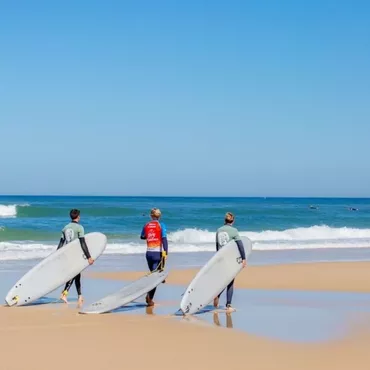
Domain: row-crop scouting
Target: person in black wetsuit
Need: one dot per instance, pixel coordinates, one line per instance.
(224, 235)
(71, 232)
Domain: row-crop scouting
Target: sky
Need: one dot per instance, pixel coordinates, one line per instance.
(228, 98)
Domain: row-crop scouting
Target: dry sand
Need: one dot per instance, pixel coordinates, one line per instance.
(331, 276)
(57, 337)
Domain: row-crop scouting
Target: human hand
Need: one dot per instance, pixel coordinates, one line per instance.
(244, 263)
(91, 261)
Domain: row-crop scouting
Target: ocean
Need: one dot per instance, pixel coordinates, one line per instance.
(30, 226)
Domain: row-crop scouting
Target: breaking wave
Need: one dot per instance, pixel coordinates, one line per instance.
(196, 240)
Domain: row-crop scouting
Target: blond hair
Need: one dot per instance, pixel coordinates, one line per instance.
(155, 213)
(229, 218)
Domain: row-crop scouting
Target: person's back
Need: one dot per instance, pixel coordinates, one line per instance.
(72, 231)
(155, 234)
(225, 234)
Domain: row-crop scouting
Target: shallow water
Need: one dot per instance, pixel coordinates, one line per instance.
(296, 316)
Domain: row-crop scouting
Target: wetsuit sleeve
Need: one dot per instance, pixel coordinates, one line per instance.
(143, 235)
(165, 245)
(81, 237)
(61, 242)
(217, 243)
(164, 237)
(240, 245)
(84, 247)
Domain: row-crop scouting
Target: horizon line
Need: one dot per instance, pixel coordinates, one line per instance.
(187, 196)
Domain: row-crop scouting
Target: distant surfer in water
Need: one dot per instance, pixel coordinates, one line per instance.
(71, 232)
(155, 234)
(224, 235)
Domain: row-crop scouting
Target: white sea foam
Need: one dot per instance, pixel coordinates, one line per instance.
(10, 210)
(195, 240)
(298, 234)
(24, 251)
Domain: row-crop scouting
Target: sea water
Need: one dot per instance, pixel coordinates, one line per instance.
(283, 230)
(317, 229)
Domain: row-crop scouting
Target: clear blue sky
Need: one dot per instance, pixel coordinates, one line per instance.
(250, 98)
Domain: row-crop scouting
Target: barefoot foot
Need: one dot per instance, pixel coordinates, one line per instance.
(63, 298)
(215, 302)
(230, 309)
(80, 301)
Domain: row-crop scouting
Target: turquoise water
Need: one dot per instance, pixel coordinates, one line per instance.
(30, 226)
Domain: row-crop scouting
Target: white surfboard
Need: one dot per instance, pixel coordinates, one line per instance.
(214, 276)
(55, 270)
(127, 294)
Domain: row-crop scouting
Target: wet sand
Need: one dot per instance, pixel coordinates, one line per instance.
(46, 337)
(55, 336)
(323, 276)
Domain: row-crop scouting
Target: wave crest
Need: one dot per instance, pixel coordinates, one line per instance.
(10, 211)
(196, 240)
(298, 234)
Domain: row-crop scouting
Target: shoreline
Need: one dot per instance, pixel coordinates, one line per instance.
(321, 276)
(136, 261)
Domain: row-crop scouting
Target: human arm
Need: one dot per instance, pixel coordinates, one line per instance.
(61, 242)
(165, 245)
(143, 235)
(85, 249)
(240, 245)
(164, 239)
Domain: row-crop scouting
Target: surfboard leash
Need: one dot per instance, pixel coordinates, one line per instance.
(160, 266)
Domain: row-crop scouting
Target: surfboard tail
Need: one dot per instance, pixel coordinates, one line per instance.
(179, 312)
(12, 301)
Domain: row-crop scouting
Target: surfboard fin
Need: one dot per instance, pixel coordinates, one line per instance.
(179, 312)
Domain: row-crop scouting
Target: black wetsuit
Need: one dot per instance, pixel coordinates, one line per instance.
(232, 234)
(62, 242)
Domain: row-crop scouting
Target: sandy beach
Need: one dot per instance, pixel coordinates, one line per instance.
(56, 336)
(324, 276)
(47, 338)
